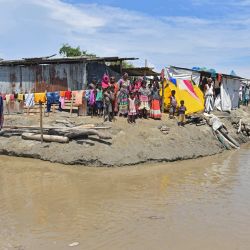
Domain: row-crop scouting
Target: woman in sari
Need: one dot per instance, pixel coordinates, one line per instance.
(123, 100)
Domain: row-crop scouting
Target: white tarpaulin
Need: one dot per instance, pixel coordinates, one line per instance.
(196, 76)
(183, 74)
(230, 94)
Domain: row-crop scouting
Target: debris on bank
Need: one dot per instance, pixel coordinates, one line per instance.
(61, 134)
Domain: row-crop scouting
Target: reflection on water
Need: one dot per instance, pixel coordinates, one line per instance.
(199, 204)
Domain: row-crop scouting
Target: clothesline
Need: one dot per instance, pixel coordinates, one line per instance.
(56, 97)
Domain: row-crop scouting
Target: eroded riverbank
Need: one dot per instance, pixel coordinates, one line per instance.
(130, 144)
(195, 204)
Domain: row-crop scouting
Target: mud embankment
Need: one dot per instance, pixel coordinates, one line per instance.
(130, 144)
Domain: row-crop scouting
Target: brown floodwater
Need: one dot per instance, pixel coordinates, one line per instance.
(198, 204)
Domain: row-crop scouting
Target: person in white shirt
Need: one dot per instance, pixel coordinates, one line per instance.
(209, 96)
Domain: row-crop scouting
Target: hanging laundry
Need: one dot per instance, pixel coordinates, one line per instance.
(7, 98)
(20, 97)
(68, 95)
(1, 112)
(52, 97)
(40, 97)
(62, 102)
(78, 97)
(29, 100)
(62, 93)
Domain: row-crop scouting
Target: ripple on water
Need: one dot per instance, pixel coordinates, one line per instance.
(199, 204)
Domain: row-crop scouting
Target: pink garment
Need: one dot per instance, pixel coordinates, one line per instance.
(62, 101)
(12, 97)
(105, 81)
(143, 98)
(78, 97)
(92, 97)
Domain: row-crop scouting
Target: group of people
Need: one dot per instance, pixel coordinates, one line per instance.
(211, 89)
(131, 99)
(244, 94)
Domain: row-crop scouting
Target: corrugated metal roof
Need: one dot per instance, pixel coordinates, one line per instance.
(46, 60)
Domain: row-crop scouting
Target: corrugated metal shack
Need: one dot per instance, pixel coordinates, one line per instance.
(54, 74)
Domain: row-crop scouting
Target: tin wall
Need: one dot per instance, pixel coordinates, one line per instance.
(38, 78)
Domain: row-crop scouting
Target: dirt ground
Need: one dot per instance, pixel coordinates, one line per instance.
(130, 144)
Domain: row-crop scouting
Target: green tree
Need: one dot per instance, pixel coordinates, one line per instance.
(127, 65)
(69, 51)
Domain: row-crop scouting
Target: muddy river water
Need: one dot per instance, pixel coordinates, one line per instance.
(198, 204)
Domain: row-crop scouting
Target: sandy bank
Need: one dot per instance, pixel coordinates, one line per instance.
(131, 144)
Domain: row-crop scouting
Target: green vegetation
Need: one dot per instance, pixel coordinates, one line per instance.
(127, 65)
(69, 51)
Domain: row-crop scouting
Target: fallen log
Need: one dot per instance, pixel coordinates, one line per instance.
(79, 133)
(16, 132)
(74, 134)
(46, 138)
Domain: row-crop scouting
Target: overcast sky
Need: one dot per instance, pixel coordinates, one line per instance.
(187, 33)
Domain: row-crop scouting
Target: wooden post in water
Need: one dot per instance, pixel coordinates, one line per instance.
(41, 120)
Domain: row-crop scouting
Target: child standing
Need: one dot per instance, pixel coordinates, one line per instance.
(131, 108)
(99, 100)
(173, 104)
(181, 113)
(108, 97)
(144, 93)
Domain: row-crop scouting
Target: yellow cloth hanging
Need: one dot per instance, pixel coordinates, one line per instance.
(7, 98)
(40, 97)
(20, 97)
